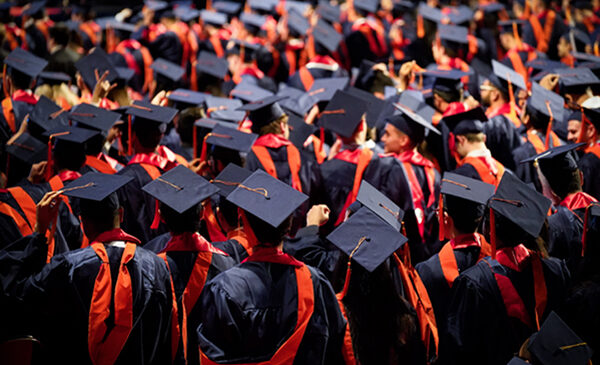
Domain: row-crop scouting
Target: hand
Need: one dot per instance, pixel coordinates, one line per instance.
(318, 215)
(37, 174)
(47, 211)
(22, 129)
(549, 81)
(198, 166)
(471, 103)
(159, 98)
(114, 132)
(406, 73)
(335, 148)
(102, 88)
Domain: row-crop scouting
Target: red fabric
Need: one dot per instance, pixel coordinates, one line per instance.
(68, 175)
(273, 255)
(163, 158)
(515, 258)
(349, 155)
(454, 108)
(212, 226)
(578, 200)
(326, 60)
(116, 234)
(504, 109)
(190, 242)
(272, 141)
(25, 96)
(466, 240)
(252, 71)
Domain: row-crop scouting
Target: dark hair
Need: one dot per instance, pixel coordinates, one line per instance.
(148, 133)
(565, 183)
(68, 155)
(185, 126)
(448, 96)
(265, 233)
(102, 214)
(465, 214)
(20, 81)
(536, 119)
(60, 35)
(511, 234)
(188, 221)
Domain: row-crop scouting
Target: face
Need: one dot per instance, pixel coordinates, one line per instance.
(392, 139)
(506, 40)
(486, 93)
(563, 47)
(521, 98)
(573, 130)
(461, 149)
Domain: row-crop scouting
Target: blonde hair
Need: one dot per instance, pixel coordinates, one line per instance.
(274, 126)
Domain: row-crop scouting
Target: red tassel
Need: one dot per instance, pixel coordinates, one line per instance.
(549, 129)
(442, 234)
(493, 233)
(156, 220)
(49, 165)
(129, 137)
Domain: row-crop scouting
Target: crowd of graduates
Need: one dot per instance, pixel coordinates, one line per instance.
(289, 182)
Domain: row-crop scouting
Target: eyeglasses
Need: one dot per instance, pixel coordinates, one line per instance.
(486, 88)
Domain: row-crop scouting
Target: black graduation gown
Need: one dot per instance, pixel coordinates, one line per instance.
(251, 310)
(181, 264)
(501, 139)
(233, 248)
(589, 164)
(565, 229)
(525, 171)
(158, 243)
(139, 207)
(479, 329)
(558, 30)
(57, 299)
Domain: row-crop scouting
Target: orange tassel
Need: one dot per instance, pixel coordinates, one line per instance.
(420, 27)
(549, 128)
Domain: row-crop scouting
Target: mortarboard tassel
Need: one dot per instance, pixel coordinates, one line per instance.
(129, 136)
(549, 128)
(441, 232)
(420, 26)
(5, 82)
(515, 30)
(512, 103)
(195, 141)
(50, 164)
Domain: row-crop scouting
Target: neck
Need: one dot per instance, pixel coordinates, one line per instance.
(474, 146)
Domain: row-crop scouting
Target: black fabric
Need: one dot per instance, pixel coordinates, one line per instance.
(589, 165)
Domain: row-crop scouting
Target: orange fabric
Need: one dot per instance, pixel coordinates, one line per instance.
(212, 226)
(448, 259)
(417, 295)
(294, 163)
(538, 144)
(99, 165)
(306, 78)
(87, 28)
(363, 161)
(291, 59)
(542, 36)
(193, 289)
(105, 348)
(594, 150)
(26, 204)
(239, 235)
(9, 116)
(153, 171)
(485, 172)
(517, 64)
(265, 159)
(21, 223)
(287, 352)
(347, 349)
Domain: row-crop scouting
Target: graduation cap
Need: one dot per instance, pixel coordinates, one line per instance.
(542, 64)
(249, 92)
(212, 65)
(506, 26)
(467, 122)
(458, 15)
(466, 188)
(27, 149)
(53, 78)
(517, 361)
(156, 5)
(343, 113)
(432, 14)
(297, 101)
(74, 135)
(556, 343)
(410, 123)
(367, 239)
(229, 178)
(492, 7)
(97, 191)
(446, 80)
(263, 111)
(542, 99)
(150, 112)
(93, 117)
(34, 8)
(585, 57)
(267, 198)
(25, 62)
(576, 80)
(520, 204)
(297, 22)
(415, 103)
(299, 130)
(381, 205)
(186, 97)
(267, 6)
(227, 7)
(329, 12)
(327, 36)
(169, 70)
(224, 109)
(556, 162)
(592, 115)
(453, 33)
(125, 28)
(96, 61)
(236, 46)
(187, 14)
(45, 116)
(299, 7)
(204, 126)
(180, 189)
(375, 104)
(253, 21)
(323, 89)
(369, 6)
(577, 36)
(230, 138)
(213, 17)
(505, 75)
(124, 74)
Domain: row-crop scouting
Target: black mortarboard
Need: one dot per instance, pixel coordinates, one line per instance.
(53, 78)
(95, 186)
(124, 74)
(415, 123)
(70, 134)
(180, 189)
(542, 64)
(458, 15)
(327, 36)
(466, 188)
(329, 12)
(299, 7)
(343, 114)
(506, 74)
(211, 123)
(28, 149)
(227, 7)
(369, 6)
(506, 26)
(492, 7)
(212, 17)
(187, 97)
(537, 103)
(125, 28)
(324, 89)
(25, 62)
(169, 70)
(576, 80)
(297, 22)
(45, 115)
(94, 117)
(593, 115)
(253, 21)
(264, 111)
(375, 104)
(586, 57)
(97, 60)
(210, 64)
(156, 5)
(463, 123)
(368, 238)
(34, 7)
(556, 343)
(187, 14)
(556, 162)
(299, 130)
(520, 204)
(235, 46)
(380, 204)
(297, 101)
(433, 14)
(249, 92)
(267, 198)
(231, 138)
(267, 6)
(146, 111)
(578, 36)
(414, 101)
(446, 80)
(453, 33)
(229, 178)
(517, 361)
(224, 109)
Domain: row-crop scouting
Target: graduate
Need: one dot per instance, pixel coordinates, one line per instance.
(275, 309)
(503, 299)
(590, 161)
(190, 258)
(461, 212)
(543, 28)
(67, 303)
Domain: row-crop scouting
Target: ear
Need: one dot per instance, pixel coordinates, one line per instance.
(121, 213)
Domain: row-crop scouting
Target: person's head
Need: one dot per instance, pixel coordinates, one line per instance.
(360, 133)
(491, 95)
(278, 127)
(265, 233)
(59, 36)
(574, 126)
(560, 171)
(442, 98)
(468, 129)
(146, 135)
(564, 46)
(178, 223)
(461, 216)
(537, 6)
(468, 142)
(401, 134)
(18, 80)
(185, 126)
(100, 216)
